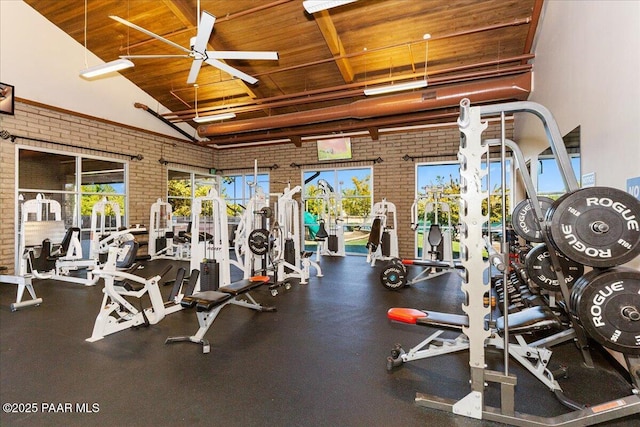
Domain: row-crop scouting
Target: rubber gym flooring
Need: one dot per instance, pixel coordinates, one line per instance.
(320, 360)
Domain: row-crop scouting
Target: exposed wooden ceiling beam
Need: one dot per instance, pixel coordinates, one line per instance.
(330, 34)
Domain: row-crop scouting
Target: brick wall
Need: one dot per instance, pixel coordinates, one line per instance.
(393, 179)
(147, 178)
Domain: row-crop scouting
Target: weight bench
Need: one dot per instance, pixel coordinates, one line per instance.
(208, 305)
(532, 356)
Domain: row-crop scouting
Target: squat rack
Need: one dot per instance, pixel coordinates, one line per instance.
(475, 285)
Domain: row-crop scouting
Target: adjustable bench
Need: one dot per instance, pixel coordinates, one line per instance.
(533, 356)
(209, 303)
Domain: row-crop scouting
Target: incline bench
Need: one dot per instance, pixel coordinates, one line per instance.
(209, 303)
(532, 356)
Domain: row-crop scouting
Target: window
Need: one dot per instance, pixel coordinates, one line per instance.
(439, 183)
(349, 207)
(550, 182)
(182, 187)
(238, 189)
(76, 182)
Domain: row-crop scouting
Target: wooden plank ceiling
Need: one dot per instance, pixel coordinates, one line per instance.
(326, 59)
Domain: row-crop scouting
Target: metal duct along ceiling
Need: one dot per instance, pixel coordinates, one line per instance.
(496, 90)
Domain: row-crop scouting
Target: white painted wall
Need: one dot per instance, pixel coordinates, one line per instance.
(43, 63)
(587, 72)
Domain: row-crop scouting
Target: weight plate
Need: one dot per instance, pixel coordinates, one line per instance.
(524, 220)
(266, 211)
(259, 241)
(607, 304)
(541, 271)
(394, 276)
(596, 226)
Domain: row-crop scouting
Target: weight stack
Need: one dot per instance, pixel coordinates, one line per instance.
(386, 244)
(332, 243)
(289, 254)
(161, 243)
(209, 275)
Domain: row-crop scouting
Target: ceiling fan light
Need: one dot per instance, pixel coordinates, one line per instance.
(108, 67)
(214, 118)
(395, 87)
(313, 6)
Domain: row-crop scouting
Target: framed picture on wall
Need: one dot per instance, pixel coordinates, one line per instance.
(6, 99)
(334, 149)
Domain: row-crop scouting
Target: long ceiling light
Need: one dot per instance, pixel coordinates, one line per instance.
(222, 116)
(313, 6)
(395, 87)
(108, 67)
(213, 118)
(98, 70)
(417, 84)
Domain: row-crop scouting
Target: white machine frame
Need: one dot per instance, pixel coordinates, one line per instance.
(249, 261)
(217, 247)
(386, 213)
(288, 226)
(331, 201)
(48, 224)
(116, 312)
(103, 236)
(161, 227)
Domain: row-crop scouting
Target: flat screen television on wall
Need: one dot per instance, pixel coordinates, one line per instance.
(334, 149)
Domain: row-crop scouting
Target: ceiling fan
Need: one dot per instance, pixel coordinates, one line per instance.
(198, 50)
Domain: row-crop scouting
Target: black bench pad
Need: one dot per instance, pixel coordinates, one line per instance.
(204, 301)
(529, 320)
(443, 320)
(132, 286)
(245, 285)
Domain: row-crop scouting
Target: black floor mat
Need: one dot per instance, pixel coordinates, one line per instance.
(318, 361)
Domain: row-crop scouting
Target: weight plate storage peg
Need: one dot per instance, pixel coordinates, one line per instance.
(394, 275)
(541, 271)
(607, 304)
(259, 241)
(524, 221)
(596, 226)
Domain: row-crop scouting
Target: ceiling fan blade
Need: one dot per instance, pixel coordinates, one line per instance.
(233, 71)
(152, 56)
(242, 54)
(205, 27)
(195, 69)
(147, 32)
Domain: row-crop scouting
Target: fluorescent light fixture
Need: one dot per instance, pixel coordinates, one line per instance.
(213, 118)
(313, 6)
(108, 67)
(395, 87)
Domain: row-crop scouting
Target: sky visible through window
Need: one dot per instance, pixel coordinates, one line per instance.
(549, 180)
